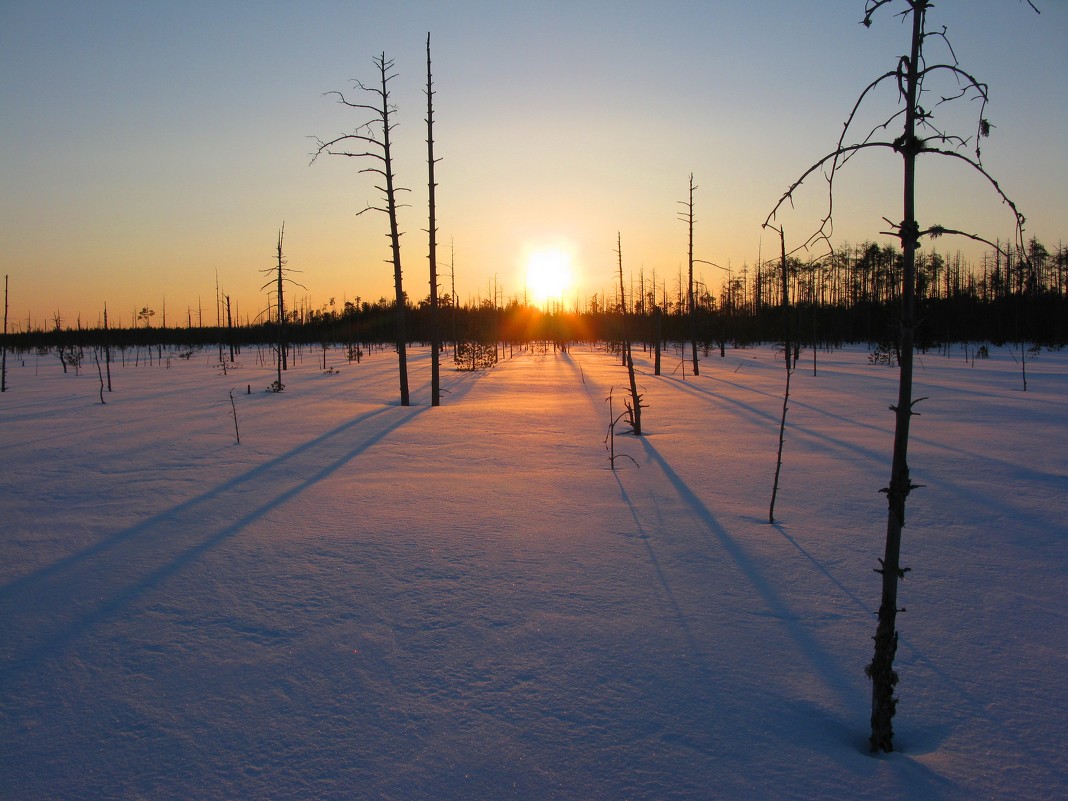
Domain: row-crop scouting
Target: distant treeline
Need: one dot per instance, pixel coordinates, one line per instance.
(851, 296)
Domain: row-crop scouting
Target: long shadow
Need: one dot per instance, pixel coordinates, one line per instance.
(830, 576)
(15, 585)
(822, 662)
(62, 585)
(707, 393)
(691, 640)
(823, 441)
(910, 740)
(589, 387)
(457, 385)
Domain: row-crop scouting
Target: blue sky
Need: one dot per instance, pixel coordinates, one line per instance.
(147, 147)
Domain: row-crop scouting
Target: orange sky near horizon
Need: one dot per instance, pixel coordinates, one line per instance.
(149, 149)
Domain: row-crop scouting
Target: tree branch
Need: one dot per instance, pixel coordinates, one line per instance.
(788, 195)
(1020, 219)
(364, 106)
(936, 231)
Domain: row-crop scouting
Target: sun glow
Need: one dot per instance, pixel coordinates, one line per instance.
(549, 275)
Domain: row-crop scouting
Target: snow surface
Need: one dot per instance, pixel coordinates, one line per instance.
(364, 601)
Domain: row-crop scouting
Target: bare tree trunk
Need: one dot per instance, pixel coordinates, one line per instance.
(107, 347)
(635, 406)
(380, 153)
(100, 374)
(394, 238)
(435, 336)
(233, 410)
(687, 217)
(281, 310)
(218, 317)
(789, 371)
(454, 304)
(919, 136)
(279, 273)
(230, 328)
(3, 366)
(659, 339)
(881, 669)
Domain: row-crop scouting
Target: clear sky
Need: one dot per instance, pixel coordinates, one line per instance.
(146, 147)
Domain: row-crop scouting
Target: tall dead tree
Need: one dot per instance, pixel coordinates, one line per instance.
(279, 273)
(916, 80)
(432, 233)
(230, 329)
(634, 405)
(107, 347)
(3, 368)
(371, 140)
(218, 314)
(452, 296)
(785, 305)
(687, 217)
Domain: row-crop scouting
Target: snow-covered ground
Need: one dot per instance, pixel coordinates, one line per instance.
(364, 601)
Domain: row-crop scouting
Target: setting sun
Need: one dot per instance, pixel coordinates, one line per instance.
(548, 274)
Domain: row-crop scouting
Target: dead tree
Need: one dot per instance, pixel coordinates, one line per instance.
(107, 347)
(3, 368)
(233, 411)
(785, 305)
(916, 80)
(279, 278)
(659, 333)
(634, 405)
(371, 140)
(687, 217)
(432, 233)
(230, 329)
(610, 436)
(99, 373)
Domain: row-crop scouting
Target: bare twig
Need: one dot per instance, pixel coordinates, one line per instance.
(233, 408)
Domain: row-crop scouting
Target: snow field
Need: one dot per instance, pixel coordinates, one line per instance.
(362, 600)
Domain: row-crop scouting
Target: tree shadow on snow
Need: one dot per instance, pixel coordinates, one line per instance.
(46, 611)
(665, 585)
(821, 663)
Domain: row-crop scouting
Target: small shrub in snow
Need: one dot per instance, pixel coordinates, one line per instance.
(883, 354)
(470, 356)
(610, 437)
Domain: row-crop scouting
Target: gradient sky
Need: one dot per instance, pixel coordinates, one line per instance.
(146, 147)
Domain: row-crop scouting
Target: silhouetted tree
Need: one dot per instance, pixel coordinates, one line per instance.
(785, 304)
(230, 329)
(921, 134)
(375, 135)
(279, 277)
(634, 405)
(687, 217)
(107, 347)
(432, 232)
(3, 368)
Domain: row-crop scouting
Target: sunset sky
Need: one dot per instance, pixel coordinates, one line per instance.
(146, 148)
